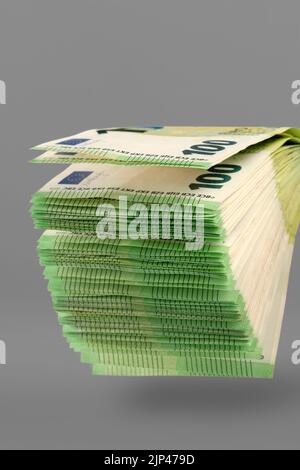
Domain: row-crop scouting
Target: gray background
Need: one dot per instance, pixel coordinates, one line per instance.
(74, 65)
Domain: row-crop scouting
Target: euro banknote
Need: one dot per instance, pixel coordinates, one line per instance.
(198, 147)
(152, 305)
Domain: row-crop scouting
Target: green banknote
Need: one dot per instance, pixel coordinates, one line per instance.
(168, 262)
(198, 147)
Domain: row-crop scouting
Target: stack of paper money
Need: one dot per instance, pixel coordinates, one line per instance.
(176, 261)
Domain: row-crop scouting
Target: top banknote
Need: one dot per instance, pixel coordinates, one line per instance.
(197, 147)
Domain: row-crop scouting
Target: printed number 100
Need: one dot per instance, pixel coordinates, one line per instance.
(209, 147)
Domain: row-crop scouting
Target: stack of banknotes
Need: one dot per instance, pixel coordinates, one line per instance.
(168, 249)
